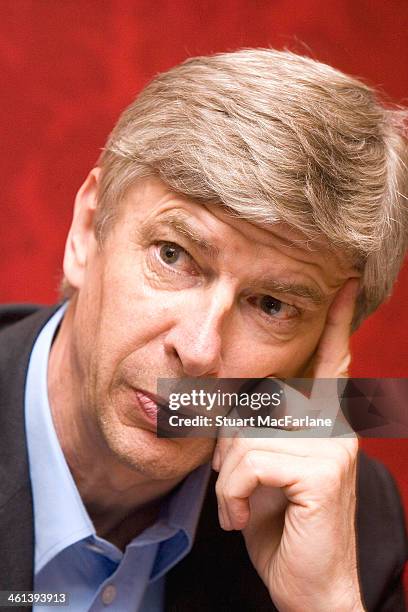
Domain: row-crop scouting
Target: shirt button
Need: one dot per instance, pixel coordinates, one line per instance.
(108, 594)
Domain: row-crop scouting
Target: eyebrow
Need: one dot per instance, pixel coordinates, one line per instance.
(306, 292)
(178, 222)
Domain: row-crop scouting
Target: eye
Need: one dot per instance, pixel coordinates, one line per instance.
(274, 308)
(270, 305)
(176, 258)
(170, 253)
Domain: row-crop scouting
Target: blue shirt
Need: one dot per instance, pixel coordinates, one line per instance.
(69, 556)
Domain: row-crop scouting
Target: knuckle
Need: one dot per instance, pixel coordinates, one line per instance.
(254, 465)
(330, 473)
(219, 488)
(250, 460)
(228, 493)
(241, 445)
(347, 452)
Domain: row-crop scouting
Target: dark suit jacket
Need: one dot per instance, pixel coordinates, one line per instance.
(217, 575)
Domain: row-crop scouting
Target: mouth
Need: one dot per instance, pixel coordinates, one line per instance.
(148, 404)
(155, 410)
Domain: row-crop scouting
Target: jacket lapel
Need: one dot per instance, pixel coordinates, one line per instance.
(16, 513)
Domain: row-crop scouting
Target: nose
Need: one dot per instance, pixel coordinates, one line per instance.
(197, 335)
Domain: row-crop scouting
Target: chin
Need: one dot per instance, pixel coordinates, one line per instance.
(157, 458)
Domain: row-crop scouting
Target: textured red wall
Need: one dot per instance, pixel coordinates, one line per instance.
(68, 67)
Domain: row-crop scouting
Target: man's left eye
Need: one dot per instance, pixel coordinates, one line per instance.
(276, 308)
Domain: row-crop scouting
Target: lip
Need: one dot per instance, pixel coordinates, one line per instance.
(147, 404)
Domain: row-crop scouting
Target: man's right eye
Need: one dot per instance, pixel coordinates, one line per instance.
(176, 257)
(170, 253)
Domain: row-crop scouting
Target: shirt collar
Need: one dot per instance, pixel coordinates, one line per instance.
(60, 517)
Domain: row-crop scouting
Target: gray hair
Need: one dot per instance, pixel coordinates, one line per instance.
(273, 136)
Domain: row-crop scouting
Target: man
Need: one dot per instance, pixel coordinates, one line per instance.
(246, 213)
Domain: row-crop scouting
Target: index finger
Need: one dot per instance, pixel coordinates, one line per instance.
(333, 353)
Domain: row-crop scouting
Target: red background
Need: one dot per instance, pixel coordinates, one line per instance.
(69, 66)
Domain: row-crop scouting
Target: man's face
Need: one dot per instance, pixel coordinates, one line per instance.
(184, 289)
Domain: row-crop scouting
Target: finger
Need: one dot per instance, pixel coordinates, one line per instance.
(227, 465)
(302, 447)
(332, 357)
(231, 460)
(288, 473)
(273, 454)
(235, 452)
(254, 469)
(222, 448)
(321, 448)
(225, 438)
(333, 353)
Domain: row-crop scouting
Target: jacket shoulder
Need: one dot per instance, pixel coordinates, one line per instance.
(19, 327)
(11, 313)
(15, 319)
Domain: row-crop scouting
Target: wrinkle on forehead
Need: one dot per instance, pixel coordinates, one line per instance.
(298, 255)
(334, 265)
(286, 237)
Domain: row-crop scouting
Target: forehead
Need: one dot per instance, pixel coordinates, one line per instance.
(277, 247)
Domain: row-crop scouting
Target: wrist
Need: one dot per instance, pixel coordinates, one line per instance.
(349, 605)
(348, 595)
(342, 599)
(337, 599)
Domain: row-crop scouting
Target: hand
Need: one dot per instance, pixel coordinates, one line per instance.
(294, 499)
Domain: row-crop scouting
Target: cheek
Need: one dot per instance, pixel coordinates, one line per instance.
(131, 318)
(289, 358)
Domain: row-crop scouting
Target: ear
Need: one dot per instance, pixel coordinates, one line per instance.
(81, 236)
